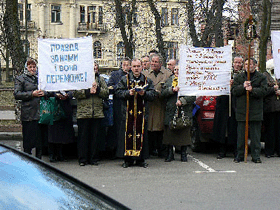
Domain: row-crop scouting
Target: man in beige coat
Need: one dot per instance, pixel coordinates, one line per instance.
(158, 74)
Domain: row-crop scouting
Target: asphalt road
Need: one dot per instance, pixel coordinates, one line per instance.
(202, 183)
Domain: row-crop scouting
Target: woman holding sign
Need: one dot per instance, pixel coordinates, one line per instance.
(184, 104)
(89, 116)
(26, 90)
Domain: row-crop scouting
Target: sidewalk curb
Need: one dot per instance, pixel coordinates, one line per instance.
(11, 136)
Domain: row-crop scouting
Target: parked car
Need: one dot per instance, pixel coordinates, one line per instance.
(29, 183)
(203, 121)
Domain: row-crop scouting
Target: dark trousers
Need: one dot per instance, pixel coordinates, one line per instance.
(272, 133)
(55, 150)
(34, 135)
(155, 142)
(255, 137)
(87, 139)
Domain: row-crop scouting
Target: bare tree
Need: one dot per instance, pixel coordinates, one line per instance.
(12, 35)
(124, 19)
(210, 12)
(160, 43)
(264, 33)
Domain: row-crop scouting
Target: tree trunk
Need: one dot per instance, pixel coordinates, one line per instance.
(121, 23)
(213, 24)
(264, 34)
(12, 33)
(160, 43)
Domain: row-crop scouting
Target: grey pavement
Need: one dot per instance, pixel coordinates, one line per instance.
(201, 183)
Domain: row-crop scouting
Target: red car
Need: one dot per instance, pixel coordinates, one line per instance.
(203, 120)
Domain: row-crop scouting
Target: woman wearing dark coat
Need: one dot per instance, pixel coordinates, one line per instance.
(181, 137)
(271, 116)
(26, 90)
(62, 131)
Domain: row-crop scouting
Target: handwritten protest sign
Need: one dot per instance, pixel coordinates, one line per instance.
(205, 71)
(65, 64)
(275, 37)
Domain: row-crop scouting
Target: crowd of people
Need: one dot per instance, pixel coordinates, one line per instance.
(144, 96)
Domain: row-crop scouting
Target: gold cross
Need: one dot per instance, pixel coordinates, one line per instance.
(131, 112)
(139, 112)
(129, 135)
(132, 85)
(138, 135)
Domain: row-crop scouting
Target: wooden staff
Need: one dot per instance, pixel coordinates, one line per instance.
(247, 108)
(250, 36)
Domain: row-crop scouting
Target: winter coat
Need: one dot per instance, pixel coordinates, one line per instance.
(180, 137)
(91, 105)
(171, 99)
(271, 100)
(115, 77)
(25, 84)
(113, 81)
(259, 85)
(157, 107)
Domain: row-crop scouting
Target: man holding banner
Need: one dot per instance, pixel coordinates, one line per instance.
(257, 88)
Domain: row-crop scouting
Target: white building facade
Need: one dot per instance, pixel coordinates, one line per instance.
(78, 18)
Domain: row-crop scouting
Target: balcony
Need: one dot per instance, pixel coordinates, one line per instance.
(107, 63)
(31, 26)
(92, 28)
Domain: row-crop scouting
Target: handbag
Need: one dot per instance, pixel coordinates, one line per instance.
(178, 123)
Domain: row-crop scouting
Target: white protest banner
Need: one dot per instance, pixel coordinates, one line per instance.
(205, 71)
(275, 38)
(65, 64)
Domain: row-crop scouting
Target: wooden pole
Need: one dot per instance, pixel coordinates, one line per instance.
(247, 107)
(250, 36)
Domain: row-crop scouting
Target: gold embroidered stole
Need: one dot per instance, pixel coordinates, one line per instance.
(135, 113)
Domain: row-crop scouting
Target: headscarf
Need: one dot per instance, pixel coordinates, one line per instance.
(175, 82)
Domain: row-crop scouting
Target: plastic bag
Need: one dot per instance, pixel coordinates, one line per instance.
(50, 110)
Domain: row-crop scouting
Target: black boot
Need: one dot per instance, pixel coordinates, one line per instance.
(39, 153)
(52, 155)
(184, 157)
(27, 150)
(170, 154)
(60, 156)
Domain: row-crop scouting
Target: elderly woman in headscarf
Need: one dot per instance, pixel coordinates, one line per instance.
(182, 137)
(26, 90)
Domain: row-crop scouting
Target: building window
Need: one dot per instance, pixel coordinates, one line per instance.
(120, 51)
(134, 18)
(100, 15)
(174, 16)
(97, 49)
(171, 50)
(56, 11)
(82, 14)
(164, 16)
(20, 11)
(91, 14)
(28, 12)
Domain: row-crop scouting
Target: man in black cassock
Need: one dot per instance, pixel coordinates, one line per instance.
(134, 89)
